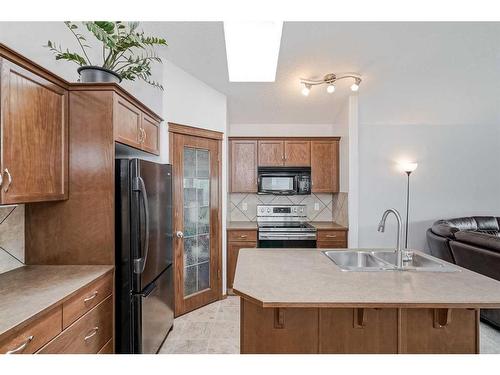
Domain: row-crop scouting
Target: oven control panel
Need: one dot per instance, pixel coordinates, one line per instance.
(268, 210)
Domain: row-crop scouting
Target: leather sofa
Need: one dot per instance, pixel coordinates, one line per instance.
(472, 243)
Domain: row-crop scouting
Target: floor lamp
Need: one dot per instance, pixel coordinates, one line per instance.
(408, 168)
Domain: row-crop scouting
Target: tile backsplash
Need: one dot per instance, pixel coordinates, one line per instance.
(330, 206)
(11, 237)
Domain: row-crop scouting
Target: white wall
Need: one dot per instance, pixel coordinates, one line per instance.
(457, 176)
(339, 128)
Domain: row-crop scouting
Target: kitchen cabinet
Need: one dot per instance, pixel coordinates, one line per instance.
(297, 153)
(79, 323)
(236, 240)
(331, 239)
(271, 153)
(135, 128)
(34, 136)
(243, 166)
(319, 153)
(325, 166)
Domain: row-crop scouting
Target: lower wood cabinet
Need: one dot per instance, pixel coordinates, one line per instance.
(87, 335)
(81, 324)
(236, 240)
(358, 330)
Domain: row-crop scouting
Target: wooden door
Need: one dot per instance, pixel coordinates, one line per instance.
(243, 159)
(271, 153)
(325, 166)
(197, 227)
(127, 122)
(150, 136)
(34, 131)
(298, 153)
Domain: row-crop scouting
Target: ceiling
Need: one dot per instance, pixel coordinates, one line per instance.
(412, 72)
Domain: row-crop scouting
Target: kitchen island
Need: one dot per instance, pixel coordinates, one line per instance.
(299, 301)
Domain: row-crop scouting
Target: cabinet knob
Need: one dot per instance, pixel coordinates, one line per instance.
(179, 234)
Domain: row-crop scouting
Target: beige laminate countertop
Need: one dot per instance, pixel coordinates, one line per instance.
(320, 225)
(30, 290)
(307, 278)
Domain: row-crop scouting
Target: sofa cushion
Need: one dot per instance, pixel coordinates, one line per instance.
(483, 240)
(487, 223)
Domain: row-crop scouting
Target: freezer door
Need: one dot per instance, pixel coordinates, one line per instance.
(157, 312)
(152, 213)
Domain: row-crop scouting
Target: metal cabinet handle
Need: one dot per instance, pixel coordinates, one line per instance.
(331, 235)
(91, 334)
(91, 297)
(141, 135)
(21, 347)
(243, 236)
(9, 178)
(179, 234)
(145, 135)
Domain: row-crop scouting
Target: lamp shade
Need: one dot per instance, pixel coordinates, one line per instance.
(407, 167)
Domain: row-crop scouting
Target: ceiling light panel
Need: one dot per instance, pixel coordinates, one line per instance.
(252, 49)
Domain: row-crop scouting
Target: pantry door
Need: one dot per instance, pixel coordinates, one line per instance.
(197, 216)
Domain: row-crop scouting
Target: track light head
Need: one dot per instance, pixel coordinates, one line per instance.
(330, 88)
(306, 89)
(355, 85)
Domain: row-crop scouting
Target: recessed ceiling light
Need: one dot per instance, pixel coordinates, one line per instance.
(252, 50)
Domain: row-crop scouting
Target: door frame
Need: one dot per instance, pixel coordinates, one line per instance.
(185, 130)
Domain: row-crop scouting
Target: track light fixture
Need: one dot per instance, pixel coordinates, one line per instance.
(330, 80)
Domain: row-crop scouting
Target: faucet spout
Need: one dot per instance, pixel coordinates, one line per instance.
(381, 228)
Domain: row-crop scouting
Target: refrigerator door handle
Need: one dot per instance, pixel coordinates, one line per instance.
(140, 264)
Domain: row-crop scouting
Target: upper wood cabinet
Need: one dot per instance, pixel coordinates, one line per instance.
(271, 153)
(325, 166)
(243, 166)
(34, 137)
(297, 153)
(135, 128)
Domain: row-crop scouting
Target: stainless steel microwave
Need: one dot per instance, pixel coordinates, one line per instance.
(284, 180)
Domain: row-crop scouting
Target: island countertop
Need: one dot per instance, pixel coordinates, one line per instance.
(307, 278)
(28, 291)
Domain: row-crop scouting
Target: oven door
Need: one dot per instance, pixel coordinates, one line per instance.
(283, 184)
(287, 240)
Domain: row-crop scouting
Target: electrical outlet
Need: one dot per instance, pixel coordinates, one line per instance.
(316, 206)
(244, 206)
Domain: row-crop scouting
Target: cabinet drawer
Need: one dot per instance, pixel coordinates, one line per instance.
(242, 235)
(331, 235)
(107, 348)
(331, 244)
(86, 299)
(88, 334)
(36, 334)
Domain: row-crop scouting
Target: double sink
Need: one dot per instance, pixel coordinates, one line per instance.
(384, 260)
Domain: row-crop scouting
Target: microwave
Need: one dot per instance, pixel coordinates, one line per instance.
(284, 180)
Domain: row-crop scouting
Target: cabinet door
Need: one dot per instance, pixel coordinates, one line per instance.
(271, 153)
(325, 166)
(298, 153)
(151, 137)
(358, 331)
(34, 131)
(126, 122)
(243, 155)
(233, 248)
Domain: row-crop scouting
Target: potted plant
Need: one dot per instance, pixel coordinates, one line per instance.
(126, 52)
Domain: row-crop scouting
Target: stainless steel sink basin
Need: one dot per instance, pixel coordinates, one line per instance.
(366, 261)
(356, 261)
(416, 262)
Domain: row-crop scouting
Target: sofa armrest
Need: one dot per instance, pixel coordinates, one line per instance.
(482, 240)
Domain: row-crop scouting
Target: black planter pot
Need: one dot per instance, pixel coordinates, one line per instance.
(97, 74)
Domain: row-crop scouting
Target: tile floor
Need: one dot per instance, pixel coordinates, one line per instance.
(215, 329)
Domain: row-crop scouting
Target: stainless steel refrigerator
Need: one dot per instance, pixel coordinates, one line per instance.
(144, 310)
